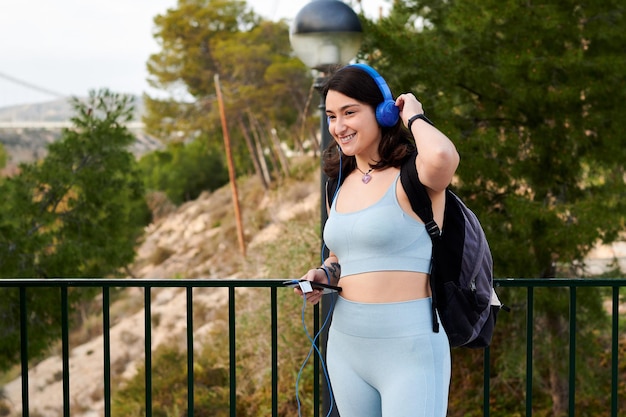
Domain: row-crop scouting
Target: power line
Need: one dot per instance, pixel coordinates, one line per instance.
(32, 86)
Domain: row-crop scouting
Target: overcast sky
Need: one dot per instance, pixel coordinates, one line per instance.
(68, 47)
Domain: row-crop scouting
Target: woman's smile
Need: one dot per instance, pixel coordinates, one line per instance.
(347, 138)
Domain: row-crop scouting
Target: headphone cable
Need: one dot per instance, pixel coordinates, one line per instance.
(314, 347)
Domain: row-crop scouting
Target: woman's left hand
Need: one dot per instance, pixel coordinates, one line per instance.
(409, 106)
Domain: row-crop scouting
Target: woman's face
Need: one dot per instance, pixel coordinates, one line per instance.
(353, 125)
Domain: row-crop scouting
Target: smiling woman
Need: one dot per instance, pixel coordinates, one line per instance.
(380, 252)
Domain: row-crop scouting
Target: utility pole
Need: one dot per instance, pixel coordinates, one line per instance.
(231, 167)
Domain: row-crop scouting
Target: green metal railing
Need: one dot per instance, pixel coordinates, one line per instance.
(147, 285)
(573, 284)
(273, 284)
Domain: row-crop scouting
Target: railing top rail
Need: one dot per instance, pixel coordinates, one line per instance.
(560, 282)
(275, 282)
(143, 282)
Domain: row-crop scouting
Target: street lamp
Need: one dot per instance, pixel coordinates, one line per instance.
(324, 34)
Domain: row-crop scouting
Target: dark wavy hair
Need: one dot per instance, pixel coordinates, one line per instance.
(396, 143)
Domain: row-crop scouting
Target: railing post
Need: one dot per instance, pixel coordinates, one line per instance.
(66, 351)
(486, 374)
(233, 352)
(614, 351)
(190, 355)
(274, 326)
(24, 351)
(106, 348)
(572, 350)
(530, 305)
(148, 349)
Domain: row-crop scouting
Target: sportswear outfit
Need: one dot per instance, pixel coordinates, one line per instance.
(384, 360)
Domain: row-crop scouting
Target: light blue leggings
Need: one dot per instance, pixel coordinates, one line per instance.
(384, 360)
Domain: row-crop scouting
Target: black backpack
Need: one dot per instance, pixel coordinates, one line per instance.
(462, 267)
(461, 277)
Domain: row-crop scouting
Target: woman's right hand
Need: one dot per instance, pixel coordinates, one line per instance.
(313, 275)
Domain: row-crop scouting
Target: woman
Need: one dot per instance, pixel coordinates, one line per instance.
(384, 359)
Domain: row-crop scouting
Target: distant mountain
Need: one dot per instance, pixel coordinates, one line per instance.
(28, 145)
(51, 111)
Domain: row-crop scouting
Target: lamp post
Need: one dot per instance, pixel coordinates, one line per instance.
(324, 34)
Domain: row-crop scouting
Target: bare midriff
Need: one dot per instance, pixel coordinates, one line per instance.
(385, 286)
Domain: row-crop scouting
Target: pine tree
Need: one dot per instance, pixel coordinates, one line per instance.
(75, 214)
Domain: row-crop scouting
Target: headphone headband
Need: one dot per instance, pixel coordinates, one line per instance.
(380, 81)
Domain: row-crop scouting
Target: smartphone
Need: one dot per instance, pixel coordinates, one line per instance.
(317, 285)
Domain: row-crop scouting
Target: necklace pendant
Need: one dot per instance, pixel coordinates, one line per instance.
(366, 178)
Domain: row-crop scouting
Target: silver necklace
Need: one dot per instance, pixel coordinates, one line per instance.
(366, 175)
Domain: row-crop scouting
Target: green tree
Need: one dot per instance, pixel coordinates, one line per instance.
(265, 88)
(183, 171)
(531, 93)
(77, 213)
(185, 65)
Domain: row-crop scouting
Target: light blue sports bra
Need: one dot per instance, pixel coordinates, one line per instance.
(381, 237)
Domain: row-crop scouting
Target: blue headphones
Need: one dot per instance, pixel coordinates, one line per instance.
(387, 113)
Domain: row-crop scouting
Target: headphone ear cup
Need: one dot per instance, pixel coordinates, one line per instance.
(387, 113)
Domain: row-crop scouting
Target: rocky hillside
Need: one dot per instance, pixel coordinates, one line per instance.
(195, 240)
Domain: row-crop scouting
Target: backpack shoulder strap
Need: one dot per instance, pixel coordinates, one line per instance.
(418, 196)
(423, 207)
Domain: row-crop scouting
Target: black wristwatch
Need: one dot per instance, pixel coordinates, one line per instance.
(418, 116)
